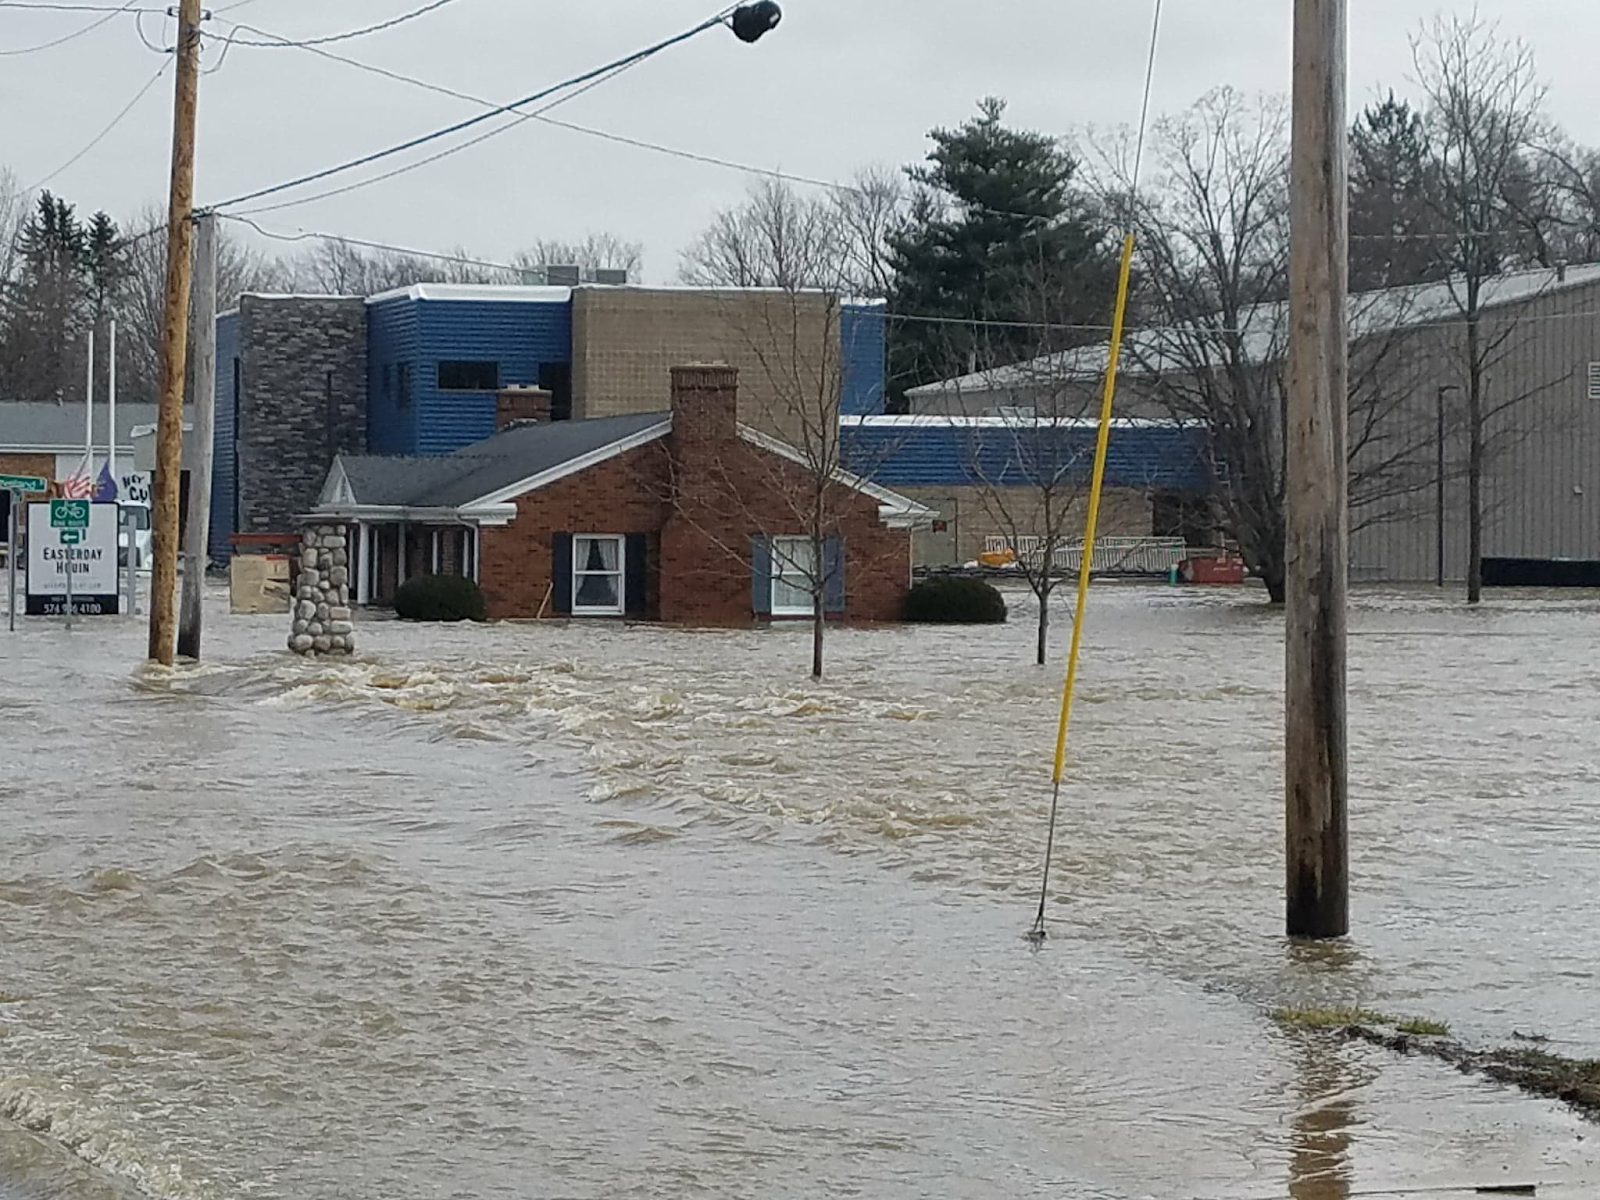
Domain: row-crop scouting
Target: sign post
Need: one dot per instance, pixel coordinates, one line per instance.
(17, 485)
(70, 518)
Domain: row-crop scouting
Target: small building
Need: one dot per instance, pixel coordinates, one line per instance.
(985, 477)
(685, 515)
(46, 440)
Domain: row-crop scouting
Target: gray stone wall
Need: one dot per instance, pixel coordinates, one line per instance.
(320, 621)
(303, 377)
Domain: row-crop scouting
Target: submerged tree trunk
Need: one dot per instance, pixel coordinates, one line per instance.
(1474, 462)
(819, 621)
(1043, 593)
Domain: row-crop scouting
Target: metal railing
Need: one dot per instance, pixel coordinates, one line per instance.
(1112, 555)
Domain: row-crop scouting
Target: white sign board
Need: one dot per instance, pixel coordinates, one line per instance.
(133, 488)
(92, 562)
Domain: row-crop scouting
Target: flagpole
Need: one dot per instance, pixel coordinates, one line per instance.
(111, 400)
(88, 411)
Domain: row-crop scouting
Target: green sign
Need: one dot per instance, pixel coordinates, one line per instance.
(22, 483)
(69, 514)
(72, 537)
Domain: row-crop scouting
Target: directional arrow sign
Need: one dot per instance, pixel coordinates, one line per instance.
(22, 483)
(72, 537)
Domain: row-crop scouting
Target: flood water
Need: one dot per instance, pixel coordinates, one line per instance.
(593, 911)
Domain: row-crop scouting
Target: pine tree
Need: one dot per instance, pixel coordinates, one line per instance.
(997, 233)
(43, 312)
(1394, 194)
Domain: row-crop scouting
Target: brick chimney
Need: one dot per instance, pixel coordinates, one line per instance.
(521, 406)
(705, 402)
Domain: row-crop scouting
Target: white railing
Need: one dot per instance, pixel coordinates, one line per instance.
(1112, 555)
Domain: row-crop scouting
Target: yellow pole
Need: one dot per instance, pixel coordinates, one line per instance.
(1101, 449)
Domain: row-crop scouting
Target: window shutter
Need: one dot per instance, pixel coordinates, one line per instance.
(761, 575)
(833, 574)
(635, 563)
(561, 574)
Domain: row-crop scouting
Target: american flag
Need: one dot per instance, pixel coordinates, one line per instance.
(80, 484)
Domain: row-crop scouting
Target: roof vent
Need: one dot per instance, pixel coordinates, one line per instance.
(562, 276)
(611, 276)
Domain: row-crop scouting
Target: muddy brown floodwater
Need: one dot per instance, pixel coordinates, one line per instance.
(593, 911)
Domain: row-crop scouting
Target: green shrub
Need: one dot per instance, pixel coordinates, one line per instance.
(955, 601)
(439, 598)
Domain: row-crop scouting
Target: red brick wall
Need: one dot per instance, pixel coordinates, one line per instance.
(622, 495)
(706, 492)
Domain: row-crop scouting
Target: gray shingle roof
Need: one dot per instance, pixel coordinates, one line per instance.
(25, 424)
(483, 468)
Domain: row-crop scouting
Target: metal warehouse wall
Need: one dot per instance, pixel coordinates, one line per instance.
(392, 339)
(863, 338)
(519, 335)
(225, 453)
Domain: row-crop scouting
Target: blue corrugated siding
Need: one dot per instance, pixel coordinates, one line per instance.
(944, 456)
(519, 335)
(863, 335)
(392, 339)
(224, 452)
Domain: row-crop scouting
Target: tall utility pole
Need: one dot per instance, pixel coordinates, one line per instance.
(1316, 747)
(174, 336)
(203, 377)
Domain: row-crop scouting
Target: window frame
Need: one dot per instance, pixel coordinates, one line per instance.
(782, 556)
(441, 364)
(579, 574)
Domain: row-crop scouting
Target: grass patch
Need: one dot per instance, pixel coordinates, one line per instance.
(1328, 1018)
(1423, 1027)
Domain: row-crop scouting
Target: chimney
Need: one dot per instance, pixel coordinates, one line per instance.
(521, 405)
(705, 402)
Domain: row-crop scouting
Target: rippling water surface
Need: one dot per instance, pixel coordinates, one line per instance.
(593, 911)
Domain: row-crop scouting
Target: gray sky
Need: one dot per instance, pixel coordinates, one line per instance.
(840, 84)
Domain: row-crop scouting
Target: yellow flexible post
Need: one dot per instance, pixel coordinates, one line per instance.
(1098, 482)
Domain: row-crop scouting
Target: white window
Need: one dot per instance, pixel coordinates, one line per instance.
(794, 573)
(597, 576)
(1594, 381)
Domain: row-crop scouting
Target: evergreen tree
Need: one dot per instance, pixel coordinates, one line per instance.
(997, 233)
(1394, 199)
(44, 309)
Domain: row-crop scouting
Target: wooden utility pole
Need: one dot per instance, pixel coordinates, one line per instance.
(174, 337)
(203, 378)
(1316, 748)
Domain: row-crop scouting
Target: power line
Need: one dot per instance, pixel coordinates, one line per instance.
(115, 121)
(98, 8)
(411, 144)
(111, 15)
(304, 43)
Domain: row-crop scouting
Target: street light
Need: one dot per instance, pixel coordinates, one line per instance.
(750, 21)
(1438, 483)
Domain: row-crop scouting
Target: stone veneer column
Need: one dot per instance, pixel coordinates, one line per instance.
(321, 610)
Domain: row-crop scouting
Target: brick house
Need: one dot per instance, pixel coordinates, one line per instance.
(685, 516)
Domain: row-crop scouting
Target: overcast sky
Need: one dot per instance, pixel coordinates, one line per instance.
(840, 84)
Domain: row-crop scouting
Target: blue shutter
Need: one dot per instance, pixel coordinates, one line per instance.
(561, 573)
(636, 565)
(761, 575)
(833, 574)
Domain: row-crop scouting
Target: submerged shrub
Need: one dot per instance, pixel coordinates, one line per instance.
(439, 598)
(955, 601)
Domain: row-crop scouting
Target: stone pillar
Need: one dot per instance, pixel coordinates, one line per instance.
(321, 611)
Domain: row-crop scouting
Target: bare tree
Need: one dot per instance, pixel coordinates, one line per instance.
(141, 295)
(596, 251)
(1484, 114)
(778, 238)
(1213, 238)
(13, 214)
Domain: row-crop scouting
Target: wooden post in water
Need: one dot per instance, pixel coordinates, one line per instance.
(1318, 520)
(203, 356)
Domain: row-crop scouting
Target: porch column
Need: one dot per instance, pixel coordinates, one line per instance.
(435, 548)
(364, 553)
(400, 568)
